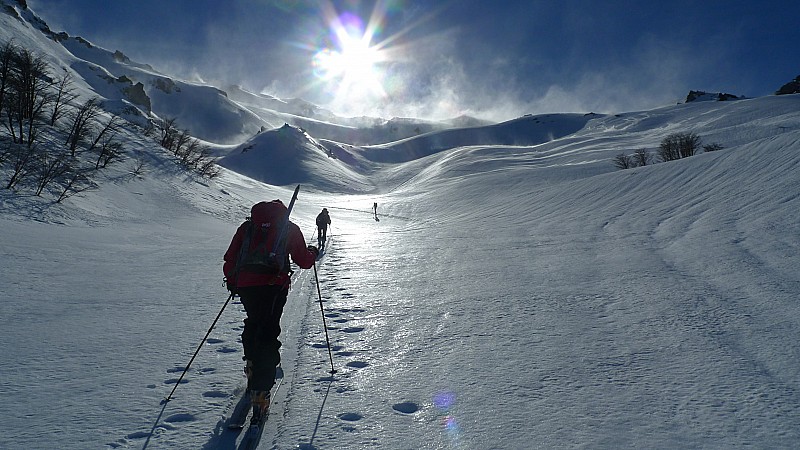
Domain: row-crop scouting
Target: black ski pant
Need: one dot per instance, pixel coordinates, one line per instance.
(264, 306)
(322, 234)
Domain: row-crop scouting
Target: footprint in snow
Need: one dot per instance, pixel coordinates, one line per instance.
(406, 407)
(357, 364)
(227, 350)
(138, 435)
(334, 348)
(214, 341)
(350, 417)
(215, 394)
(353, 329)
(306, 447)
(184, 417)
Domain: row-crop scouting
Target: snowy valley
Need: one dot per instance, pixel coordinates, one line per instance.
(515, 290)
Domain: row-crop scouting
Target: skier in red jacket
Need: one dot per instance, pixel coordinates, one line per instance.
(263, 292)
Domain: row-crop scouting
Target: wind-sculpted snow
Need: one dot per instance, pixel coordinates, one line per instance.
(514, 294)
(525, 131)
(501, 296)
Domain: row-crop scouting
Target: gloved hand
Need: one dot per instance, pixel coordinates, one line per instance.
(314, 249)
(230, 285)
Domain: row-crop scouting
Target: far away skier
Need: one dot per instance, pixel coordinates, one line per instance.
(323, 220)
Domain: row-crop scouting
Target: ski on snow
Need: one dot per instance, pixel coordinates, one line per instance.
(242, 410)
(253, 435)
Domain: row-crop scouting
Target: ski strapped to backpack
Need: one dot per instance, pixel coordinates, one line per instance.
(261, 259)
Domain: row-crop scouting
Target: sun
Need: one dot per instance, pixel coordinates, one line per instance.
(356, 66)
(351, 66)
(355, 62)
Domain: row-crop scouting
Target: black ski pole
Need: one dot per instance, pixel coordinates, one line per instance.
(169, 397)
(324, 324)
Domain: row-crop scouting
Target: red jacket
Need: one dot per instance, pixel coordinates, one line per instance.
(295, 246)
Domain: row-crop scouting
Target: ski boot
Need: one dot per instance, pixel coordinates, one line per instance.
(260, 405)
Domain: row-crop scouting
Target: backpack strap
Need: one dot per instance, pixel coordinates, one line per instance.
(243, 249)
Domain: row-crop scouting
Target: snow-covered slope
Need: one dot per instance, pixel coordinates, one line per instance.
(288, 155)
(525, 131)
(505, 295)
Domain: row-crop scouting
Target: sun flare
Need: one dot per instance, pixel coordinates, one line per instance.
(355, 62)
(350, 65)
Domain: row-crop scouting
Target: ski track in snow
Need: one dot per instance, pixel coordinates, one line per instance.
(503, 297)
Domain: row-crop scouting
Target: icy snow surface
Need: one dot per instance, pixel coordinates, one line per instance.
(516, 294)
(507, 297)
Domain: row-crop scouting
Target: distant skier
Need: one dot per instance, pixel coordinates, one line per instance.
(375, 210)
(252, 273)
(323, 220)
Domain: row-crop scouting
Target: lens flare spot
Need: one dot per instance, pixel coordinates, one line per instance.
(450, 424)
(444, 400)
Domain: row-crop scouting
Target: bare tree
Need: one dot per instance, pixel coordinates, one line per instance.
(669, 149)
(108, 152)
(191, 153)
(208, 169)
(22, 161)
(76, 181)
(623, 161)
(202, 154)
(182, 146)
(61, 97)
(678, 145)
(689, 144)
(4, 152)
(49, 168)
(8, 53)
(712, 147)
(167, 132)
(29, 94)
(82, 119)
(109, 129)
(138, 165)
(642, 157)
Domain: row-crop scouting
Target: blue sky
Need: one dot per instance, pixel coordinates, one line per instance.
(497, 59)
